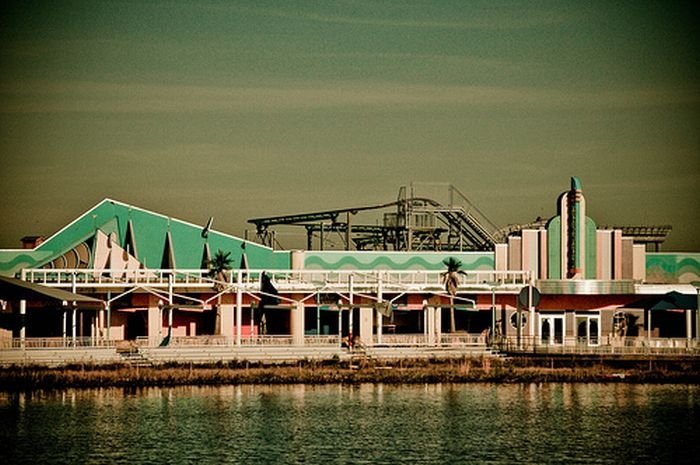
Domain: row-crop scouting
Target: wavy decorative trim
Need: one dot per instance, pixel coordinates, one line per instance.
(383, 262)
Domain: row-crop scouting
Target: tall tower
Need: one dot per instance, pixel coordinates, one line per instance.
(571, 234)
(573, 230)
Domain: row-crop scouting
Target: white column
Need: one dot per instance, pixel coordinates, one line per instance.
(689, 327)
(429, 318)
(380, 317)
(23, 314)
(366, 324)
(74, 321)
(100, 324)
(155, 323)
(226, 313)
(297, 323)
(438, 324)
(23, 320)
(109, 314)
(239, 308)
(340, 325)
(351, 282)
(426, 324)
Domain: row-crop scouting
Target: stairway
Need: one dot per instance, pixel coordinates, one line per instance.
(135, 358)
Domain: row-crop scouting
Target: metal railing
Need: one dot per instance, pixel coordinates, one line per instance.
(283, 279)
(55, 342)
(415, 340)
(568, 345)
(601, 346)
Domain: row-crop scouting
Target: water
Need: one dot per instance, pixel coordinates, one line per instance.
(367, 424)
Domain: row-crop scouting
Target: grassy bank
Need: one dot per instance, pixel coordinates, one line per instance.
(406, 371)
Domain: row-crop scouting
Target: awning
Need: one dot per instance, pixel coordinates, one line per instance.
(16, 289)
(669, 301)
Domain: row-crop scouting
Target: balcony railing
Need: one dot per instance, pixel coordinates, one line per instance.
(283, 279)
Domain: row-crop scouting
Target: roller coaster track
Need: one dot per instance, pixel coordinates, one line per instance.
(468, 228)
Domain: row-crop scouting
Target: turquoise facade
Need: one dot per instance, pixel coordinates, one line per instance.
(554, 248)
(670, 268)
(354, 260)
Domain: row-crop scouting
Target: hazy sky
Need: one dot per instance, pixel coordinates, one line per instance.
(238, 109)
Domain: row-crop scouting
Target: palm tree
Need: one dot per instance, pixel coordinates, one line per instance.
(218, 266)
(450, 278)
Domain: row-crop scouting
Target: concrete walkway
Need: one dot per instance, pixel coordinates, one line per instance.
(153, 356)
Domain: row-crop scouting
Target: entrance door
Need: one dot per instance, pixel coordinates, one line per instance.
(588, 329)
(552, 329)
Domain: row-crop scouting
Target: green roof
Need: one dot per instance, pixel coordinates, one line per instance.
(155, 240)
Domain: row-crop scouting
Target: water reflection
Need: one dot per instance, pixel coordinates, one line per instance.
(430, 424)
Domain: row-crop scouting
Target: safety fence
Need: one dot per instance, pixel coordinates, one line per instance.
(525, 344)
(602, 346)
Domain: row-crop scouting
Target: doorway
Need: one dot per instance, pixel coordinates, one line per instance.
(552, 329)
(588, 329)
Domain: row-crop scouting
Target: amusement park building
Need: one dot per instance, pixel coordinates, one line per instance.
(119, 272)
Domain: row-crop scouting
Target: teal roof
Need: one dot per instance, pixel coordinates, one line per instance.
(154, 239)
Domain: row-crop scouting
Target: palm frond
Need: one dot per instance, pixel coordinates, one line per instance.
(220, 263)
(453, 265)
(450, 277)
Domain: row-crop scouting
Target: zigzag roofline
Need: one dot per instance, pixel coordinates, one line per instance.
(132, 207)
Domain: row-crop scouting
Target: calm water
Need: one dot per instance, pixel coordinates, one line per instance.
(373, 424)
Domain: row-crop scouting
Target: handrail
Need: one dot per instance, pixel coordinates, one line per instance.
(528, 345)
(250, 279)
(605, 345)
(55, 342)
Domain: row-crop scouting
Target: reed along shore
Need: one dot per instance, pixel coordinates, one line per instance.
(521, 370)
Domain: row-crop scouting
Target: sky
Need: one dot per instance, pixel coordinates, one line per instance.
(245, 109)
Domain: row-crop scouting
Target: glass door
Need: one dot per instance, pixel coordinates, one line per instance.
(552, 329)
(588, 329)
